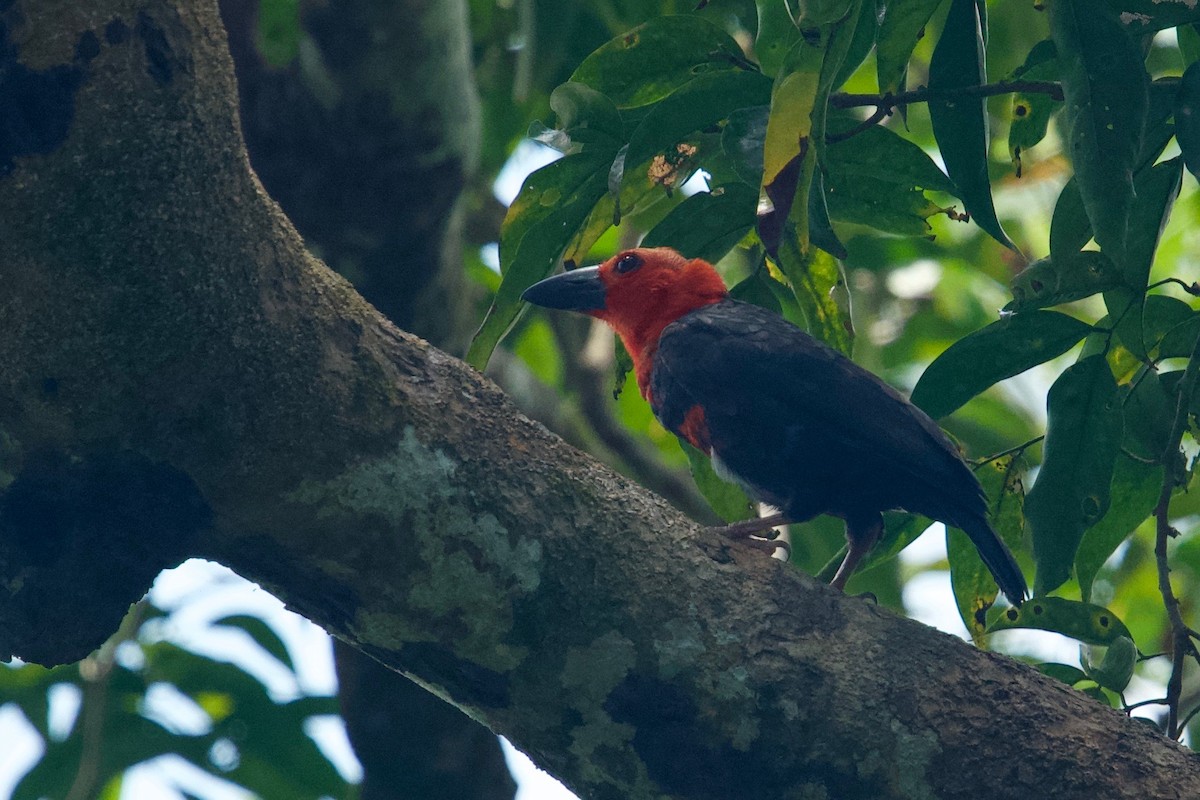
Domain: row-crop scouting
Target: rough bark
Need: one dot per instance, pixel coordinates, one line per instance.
(370, 165)
(160, 312)
(367, 140)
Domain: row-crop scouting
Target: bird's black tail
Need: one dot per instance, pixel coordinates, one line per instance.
(998, 558)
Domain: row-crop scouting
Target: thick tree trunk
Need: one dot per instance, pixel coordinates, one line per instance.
(163, 329)
(370, 165)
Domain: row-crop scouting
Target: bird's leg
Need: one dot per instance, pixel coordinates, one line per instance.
(862, 536)
(758, 533)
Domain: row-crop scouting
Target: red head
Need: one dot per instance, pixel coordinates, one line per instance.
(638, 292)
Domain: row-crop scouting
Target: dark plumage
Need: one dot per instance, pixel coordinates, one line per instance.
(799, 425)
(808, 431)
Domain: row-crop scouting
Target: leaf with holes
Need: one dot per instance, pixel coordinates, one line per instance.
(1030, 112)
(974, 587)
(1147, 16)
(1082, 621)
(1106, 89)
(654, 59)
(698, 104)
(1046, 282)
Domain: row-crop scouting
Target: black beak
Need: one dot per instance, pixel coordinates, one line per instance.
(577, 290)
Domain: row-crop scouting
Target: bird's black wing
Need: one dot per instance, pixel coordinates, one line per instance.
(809, 430)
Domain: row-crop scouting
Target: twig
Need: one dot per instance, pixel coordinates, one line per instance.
(1187, 720)
(925, 94)
(1182, 645)
(1192, 288)
(1158, 701)
(879, 113)
(1019, 449)
(96, 672)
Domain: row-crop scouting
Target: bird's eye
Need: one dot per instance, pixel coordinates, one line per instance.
(628, 263)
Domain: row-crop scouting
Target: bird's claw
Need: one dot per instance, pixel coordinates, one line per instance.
(767, 541)
(770, 545)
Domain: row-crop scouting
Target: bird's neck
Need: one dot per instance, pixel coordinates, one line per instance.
(640, 336)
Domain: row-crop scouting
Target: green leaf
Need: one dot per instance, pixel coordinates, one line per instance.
(1153, 325)
(1062, 672)
(708, 224)
(824, 12)
(763, 290)
(1046, 282)
(1003, 349)
(900, 529)
(1116, 669)
(901, 26)
(1134, 493)
(1187, 117)
(865, 30)
(1149, 415)
(755, 289)
(789, 155)
(654, 59)
(1189, 43)
(698, 104)
(974, 587)
(1031, 111)
(777, 35)
(878, 178)
(961, 125)
(553, 205)
(263, 635)
(587, 117)
(1157, 189)
(1082, 621)
(1072, 490)
(279, 31)
(742, 141)
(1070, 228)
(795, 137)
(820, 227)
(1106, 89)
(880, 155)
(1173, 336)
(814, 279)
(729, 501)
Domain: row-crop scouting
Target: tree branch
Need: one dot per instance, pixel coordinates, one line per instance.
(396, 497)
(1182, 644)
(924, 94)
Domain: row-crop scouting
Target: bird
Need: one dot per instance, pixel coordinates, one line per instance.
(795, 423)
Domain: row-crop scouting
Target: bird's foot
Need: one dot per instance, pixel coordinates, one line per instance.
(759, 533)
